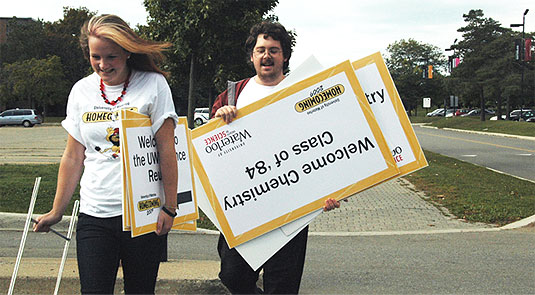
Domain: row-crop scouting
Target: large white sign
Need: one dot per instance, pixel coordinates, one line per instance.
(285, 154)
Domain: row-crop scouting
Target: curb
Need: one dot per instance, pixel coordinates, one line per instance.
(521, 223)
(425, 125)
(16, 221)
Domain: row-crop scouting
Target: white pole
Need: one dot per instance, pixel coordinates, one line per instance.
(24, 235)
(67, 243)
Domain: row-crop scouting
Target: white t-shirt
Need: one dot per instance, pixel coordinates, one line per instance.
(95, 124)
(253, 92)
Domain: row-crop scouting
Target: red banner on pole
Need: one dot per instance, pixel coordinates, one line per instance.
(527, 50)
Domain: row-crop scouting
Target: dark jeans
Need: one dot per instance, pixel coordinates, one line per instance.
(282, 272)
(101, 244)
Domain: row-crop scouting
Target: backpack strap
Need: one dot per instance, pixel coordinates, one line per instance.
(234, 89)
(231, 93)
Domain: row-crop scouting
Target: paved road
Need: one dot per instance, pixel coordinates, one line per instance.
(511, 155)
(470, 263)
(39, 144)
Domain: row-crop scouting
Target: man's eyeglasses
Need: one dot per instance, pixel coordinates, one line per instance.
(260, 51)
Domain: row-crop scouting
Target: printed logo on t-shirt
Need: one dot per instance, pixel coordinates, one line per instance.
(112, 136)
(103, 116)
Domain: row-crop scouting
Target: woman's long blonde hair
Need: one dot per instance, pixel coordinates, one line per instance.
(145, 54)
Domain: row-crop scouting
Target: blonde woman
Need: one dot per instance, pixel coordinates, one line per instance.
(125, 76)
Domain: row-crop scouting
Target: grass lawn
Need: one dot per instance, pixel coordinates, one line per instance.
(475, 124)
(474, 193)
(16, 186)
(501, 126)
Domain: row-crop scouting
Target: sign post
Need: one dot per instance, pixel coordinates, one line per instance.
(427, 104)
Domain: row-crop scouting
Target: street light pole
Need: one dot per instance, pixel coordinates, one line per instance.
(451, 60)
(522, 61)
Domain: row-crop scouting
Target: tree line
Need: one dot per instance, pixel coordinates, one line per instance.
(487, 76)
(41, 61)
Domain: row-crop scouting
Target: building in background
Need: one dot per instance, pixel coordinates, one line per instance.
(4, 26)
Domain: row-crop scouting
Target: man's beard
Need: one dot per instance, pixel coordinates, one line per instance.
(271, 75)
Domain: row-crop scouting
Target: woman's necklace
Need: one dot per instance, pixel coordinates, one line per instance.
(120, 98)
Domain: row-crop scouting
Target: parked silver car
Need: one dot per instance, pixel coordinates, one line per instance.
(477, 112)
(24, 117)
(440, 112)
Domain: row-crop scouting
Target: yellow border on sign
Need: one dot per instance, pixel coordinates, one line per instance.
(195, 215)
(391, 170)
(128, 115)
(131, 119)
(126, 210)
(420, 161)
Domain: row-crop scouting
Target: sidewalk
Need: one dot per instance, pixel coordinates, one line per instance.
(393, 207)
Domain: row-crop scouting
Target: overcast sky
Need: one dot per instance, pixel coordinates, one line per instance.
(331, 30)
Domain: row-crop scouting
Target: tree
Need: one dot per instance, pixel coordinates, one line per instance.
(5, 93)
(26, 40)
(37, 40)
(407, 62)
(36, 83)
(480, 52)
(62, 41)
(208, 38)
(498, 76)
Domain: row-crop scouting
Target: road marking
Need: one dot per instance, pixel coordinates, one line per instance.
(505, 173)
(481, 142)
(525, 155)
(469, 156)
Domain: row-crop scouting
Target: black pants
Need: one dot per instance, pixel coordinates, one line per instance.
(101, 244)
(282, 272)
